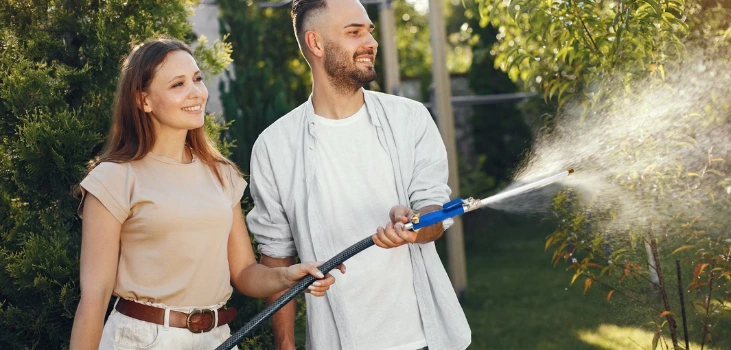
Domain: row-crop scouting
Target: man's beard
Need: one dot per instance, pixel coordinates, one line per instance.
(342, 72)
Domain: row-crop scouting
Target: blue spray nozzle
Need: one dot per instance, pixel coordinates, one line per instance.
(449, 210)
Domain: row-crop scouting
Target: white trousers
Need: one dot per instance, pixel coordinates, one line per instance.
(122, 332)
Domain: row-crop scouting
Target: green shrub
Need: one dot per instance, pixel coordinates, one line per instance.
(60, 62)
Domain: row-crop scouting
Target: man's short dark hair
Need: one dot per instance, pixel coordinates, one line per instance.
(300, 11)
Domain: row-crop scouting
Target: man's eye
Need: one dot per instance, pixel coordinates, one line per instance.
(199, 79)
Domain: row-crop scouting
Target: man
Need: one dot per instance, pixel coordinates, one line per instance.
(328, 174)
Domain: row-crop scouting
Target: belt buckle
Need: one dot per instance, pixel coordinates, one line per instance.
(201, 312)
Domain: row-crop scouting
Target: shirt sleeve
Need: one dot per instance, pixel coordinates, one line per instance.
(431, 170)
(236, 186)
(267, 221)
(111, 184)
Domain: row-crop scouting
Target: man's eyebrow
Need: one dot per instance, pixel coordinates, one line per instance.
(360, 25)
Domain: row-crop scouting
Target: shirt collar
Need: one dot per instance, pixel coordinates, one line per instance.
(370, 103)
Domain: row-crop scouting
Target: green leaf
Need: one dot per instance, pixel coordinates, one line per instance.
(576, 275)
(563, 88)
(655, 340)
(666, 313)
(555, 87)
(685, 247)
(587, 284)
(655, 6)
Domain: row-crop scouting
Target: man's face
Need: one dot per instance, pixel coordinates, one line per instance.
(350, 49)
(347, 70)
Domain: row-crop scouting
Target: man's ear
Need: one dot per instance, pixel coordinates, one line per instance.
(314, 43)
(143, 102)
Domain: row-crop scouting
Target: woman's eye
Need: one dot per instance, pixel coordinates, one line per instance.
(180, 83)
(199, 79)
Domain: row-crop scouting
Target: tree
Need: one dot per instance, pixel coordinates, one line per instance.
(561, 46)
(599, 61)
(414, 45)
(269, 77)
(60, 62)
(501, 133)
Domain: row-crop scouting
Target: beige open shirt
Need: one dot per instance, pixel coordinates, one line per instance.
(286, 222)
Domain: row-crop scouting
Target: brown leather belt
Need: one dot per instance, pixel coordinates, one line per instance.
(197, 321)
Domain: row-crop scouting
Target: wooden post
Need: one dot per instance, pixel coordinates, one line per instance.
(442, 107)
(387, 26)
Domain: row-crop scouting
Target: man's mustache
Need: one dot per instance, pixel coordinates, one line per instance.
(365, 52)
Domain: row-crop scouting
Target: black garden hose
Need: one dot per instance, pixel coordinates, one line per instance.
(298, 288)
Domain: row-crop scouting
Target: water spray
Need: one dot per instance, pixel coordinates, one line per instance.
(450, 209)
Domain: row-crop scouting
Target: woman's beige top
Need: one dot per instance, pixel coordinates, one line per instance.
(176, 220)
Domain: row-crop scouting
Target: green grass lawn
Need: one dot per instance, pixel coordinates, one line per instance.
(516, 299)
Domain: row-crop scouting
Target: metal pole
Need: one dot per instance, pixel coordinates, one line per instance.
(388, 45)
(445, 120)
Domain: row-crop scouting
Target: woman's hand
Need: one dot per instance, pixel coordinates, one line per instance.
(296, 272)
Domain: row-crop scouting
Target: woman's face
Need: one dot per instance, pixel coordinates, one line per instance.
(176, 97)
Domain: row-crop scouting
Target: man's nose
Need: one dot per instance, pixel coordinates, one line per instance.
(371, 43)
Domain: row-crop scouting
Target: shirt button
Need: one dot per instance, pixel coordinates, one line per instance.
(312, 124)
(312, 147)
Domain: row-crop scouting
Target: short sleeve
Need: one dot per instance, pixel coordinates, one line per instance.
(236, 186)
(111, 183)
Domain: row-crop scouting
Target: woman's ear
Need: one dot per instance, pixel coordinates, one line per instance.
(143, 102)
(315, 43)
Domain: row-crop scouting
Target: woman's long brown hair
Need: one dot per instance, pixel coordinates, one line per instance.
(132, 133)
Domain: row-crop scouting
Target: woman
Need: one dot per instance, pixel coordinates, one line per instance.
(163, 228)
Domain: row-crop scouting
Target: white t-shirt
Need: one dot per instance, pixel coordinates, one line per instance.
(356, 187)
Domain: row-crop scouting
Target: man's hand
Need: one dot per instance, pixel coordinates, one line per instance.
(394, 234)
